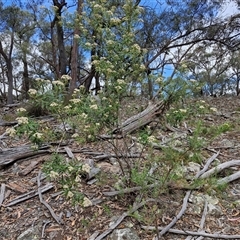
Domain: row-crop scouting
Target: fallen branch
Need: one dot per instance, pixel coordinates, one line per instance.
(229, 179)
(119, 220)
(29, 195)
(185, 200)
(57, 219)
(203, 219)
(43, 228)
(2, 193)
(220, 167)
(11, 155)
(186, 232)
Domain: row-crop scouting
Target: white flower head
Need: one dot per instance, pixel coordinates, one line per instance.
(75, 135)
(70, 194)
(66, 77)
(118, 88)
(70, 168)
(57, 82)
(21, 110)
(75, 100)
(120, 81)
(53, 104)
(32, 91)
(67, 107)
(22, 120)
(77, 179)
(76, 36)
(11, 132)
(213, 109)
(76, 91)
(183, 110)
(152, 139)
(84, 115)
(38, 135)
(86, 168)
(95, 107)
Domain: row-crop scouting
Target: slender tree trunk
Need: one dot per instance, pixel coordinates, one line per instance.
(10, 82)
(60, 36)
(8, 61)
(26, 83)
(237, 86)
(74, 53)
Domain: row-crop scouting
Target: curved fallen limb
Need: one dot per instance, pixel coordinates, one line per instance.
(220, 167)
(188, 194)
(120, 219)
(203, 234)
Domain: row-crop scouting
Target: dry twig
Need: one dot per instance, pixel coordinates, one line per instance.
(57, 219)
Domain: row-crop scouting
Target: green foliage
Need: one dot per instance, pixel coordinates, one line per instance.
(68, 174)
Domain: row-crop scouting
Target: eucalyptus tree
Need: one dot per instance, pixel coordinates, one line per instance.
(12, 22)
(174, 24)
(235, 70)
(209, 65)
(24, 47)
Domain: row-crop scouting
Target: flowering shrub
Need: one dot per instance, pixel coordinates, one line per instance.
(69, 175)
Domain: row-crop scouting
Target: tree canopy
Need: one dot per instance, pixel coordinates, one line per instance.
(101, 42)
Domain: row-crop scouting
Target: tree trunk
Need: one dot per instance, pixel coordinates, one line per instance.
(26, 83)
(8, 61)
(74, 53)
(10, 82)
(60, 36)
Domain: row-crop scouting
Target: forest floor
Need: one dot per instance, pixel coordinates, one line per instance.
(31, 219)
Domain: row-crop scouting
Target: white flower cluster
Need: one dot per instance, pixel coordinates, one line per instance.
(22, 120)
(183, 110)
(38, 135)
(53, 104)
(75, 100)
(95, 107)
(65, 77)
(76, 36)
(84, 115)
(32, 91)
(213, 109)
(152, 139)
(21, 110)
(86, 168)
(121, 81)
(11, 132)
(57, 82)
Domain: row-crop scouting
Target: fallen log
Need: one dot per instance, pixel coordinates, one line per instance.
(141, 119)
(11, 155)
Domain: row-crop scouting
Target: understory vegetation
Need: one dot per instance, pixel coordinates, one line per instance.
(160, 165)
(119, 75)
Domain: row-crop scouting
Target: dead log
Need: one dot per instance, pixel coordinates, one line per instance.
(11, 155)
(141, 119)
